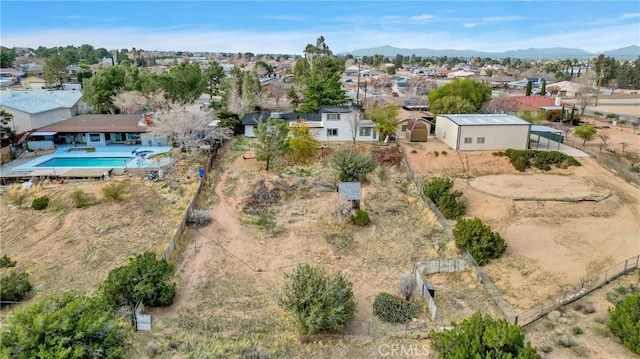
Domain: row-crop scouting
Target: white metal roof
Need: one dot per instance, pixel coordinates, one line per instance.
(486, 120)
(42, 133)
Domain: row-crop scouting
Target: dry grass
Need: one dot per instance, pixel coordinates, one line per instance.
(64, 247)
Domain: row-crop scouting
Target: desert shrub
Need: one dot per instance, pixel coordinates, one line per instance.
(143, 278)
(437, 187)
(407, 286)
(479, 240)
(436, 153)
(361, 218)
(634, 168)
(452, 205)
(71, 326)
(6, 262)
(612, 115)
(523, 159)
(14, 286)
(17, 196)
(40, 203)
(481, 336)
(576, 330)
(414, 151)
(115, 191)
(565, 341)
(317, 301)
(80, 199)
(198, 218)
(353, 166)
(382, 174)
(392, 309)
(625, 322)
(444, 153)
(622, 121)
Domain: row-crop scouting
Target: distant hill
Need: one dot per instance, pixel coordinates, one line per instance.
(629, 52)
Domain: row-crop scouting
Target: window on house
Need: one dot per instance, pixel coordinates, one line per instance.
(375, 135)
(404, 128)
(365, 132)
(480, 140)
(468, 140)
(332, 131)
(333, 116)
(94, 137)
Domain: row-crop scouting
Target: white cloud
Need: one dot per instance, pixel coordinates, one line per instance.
(630, 15)
(470, 25)
(422, 18)
(502, 18)
(339, 39)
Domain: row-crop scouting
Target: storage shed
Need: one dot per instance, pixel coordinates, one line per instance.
(417, 131)
(473, 132)
(351, 191)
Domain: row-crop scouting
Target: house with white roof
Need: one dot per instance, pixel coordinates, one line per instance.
(35, 109)
(480, 132)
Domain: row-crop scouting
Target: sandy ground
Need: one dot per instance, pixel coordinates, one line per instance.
(551, 244)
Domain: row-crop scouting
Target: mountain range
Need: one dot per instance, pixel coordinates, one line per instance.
(630, 53)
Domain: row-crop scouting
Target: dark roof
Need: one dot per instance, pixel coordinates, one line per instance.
(97, 123)
(335, 109)
(350, 190)
(253, 118)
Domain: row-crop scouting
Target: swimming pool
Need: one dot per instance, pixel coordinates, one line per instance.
(86, 162)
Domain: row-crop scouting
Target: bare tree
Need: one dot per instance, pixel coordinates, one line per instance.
(354, 123)
(188, 127)
(130, 102)
(634, 125)
(278, 91)
(501, 104)
(585, 91)
(604, 138)
(624, 145)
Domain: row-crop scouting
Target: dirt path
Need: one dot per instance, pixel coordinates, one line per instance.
(199, 254)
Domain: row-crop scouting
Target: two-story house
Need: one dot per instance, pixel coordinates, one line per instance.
(330, 124)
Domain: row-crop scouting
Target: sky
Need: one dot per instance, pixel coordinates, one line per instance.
(287, 26)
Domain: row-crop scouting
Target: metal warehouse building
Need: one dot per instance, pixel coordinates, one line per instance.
(483, 132)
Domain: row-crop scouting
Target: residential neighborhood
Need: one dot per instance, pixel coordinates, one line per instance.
(245, 198)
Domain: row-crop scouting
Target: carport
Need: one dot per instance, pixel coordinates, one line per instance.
(547, 132)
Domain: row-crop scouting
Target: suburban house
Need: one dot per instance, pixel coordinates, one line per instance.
(35, 109)
(96, 130)
(33, 83)
(331, 123)
(483, 132)
(536, 103)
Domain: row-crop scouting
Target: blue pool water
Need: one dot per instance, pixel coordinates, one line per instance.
(86, 162)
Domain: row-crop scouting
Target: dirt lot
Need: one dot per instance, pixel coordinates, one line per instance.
(228, 271)
(65, 248)
(580, 329)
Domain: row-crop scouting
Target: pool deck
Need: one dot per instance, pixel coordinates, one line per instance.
(25, 168)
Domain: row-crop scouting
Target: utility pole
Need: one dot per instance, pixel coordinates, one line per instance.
(358, 85)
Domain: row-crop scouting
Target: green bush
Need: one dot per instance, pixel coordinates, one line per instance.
(481, 336)
(6, 262)
(613, 115)
(625, 322)
(479, 240)
(318, 302)
(437, 187)
(71, 326)
(523, 159)
(361, 218)
(143, 278)
(392, 309)
(353, 166)
(115, 191)
(40, 203)
(452, 205)
(80, 199)
(14, 286)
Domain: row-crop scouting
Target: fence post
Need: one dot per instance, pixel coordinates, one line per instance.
(605, 275)
(637, 257)
(625, 265)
